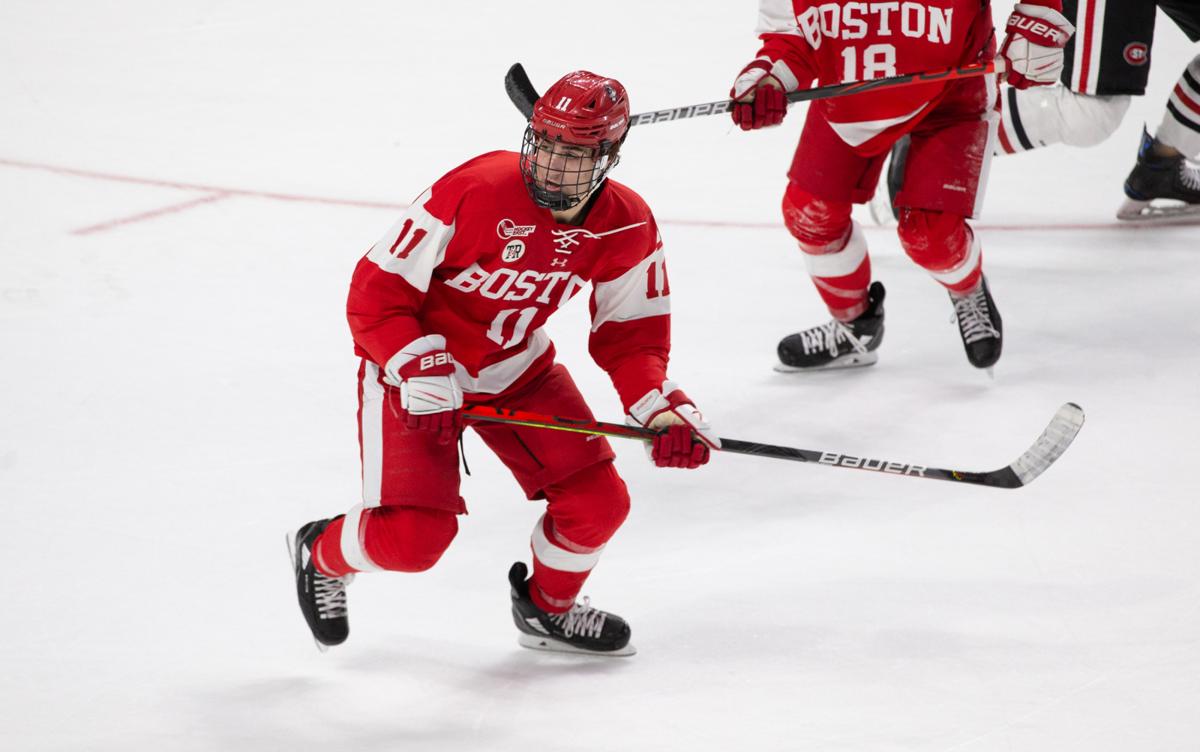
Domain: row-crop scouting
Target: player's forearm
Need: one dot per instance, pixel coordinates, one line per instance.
(382, 337)
(638, 373)
(382, 313)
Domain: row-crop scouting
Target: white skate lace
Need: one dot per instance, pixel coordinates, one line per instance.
(582, 619)
(330, 594)
(827, 337)
(1189, 176)
(973, 319)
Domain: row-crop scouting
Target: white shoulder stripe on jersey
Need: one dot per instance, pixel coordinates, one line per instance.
(414, 246)
(776, 17)
(628, 297)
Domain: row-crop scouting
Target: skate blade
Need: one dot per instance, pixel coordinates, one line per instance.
(534, 642)
(1148, 213)
(855, 360)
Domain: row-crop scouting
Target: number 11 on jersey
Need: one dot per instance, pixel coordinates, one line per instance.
(496, 331)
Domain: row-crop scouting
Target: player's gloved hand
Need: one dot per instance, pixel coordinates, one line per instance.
(430, 395)
(685, 437)
(759, 100)
(1033, 47)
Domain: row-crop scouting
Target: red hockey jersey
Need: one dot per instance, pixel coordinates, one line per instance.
(845, 40)
(476, 261)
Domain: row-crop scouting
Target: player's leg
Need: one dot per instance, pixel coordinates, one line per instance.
(945, 178)
(407, 519)
(1044, 115)
(825, 179)
(1162, 183)
(586, 502)
(1179, 131)
(583, 512)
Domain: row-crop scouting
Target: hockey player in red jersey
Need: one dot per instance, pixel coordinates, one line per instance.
(845, 142)
(447, 309)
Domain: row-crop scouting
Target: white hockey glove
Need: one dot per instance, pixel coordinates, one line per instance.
(1033, 47)
(429, 393)
(685, 437)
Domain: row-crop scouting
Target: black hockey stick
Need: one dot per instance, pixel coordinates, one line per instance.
(1048, 447)
(523, 94)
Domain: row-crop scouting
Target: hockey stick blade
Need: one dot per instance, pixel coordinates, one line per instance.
(520, 89)
(1045, 451)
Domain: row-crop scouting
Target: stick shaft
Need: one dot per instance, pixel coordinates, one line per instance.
(523, 94)
(828, 92)
(1003, 478)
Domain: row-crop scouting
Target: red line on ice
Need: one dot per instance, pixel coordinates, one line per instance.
(173, 208)
(218, 192)
(198, 186)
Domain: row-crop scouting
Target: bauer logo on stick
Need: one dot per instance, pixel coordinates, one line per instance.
(845, 460)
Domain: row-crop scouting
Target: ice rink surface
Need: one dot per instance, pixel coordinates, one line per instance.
(186, 188)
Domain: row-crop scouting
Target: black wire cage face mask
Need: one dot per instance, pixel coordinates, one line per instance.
(560, 175)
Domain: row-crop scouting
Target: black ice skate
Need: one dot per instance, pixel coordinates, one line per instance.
(322, 598)
(979, 324)
(583, 629)
(836, 344)
(1162, 189)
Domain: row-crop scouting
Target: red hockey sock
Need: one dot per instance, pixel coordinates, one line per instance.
(398, 539)
(582, 513)
(835, 251)
(943, 245)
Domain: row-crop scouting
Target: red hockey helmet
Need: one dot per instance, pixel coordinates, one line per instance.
(573, 138)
